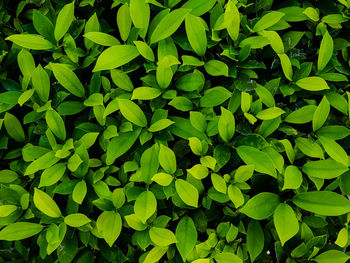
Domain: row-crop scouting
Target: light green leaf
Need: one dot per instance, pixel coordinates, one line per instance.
(342, 238)
(199, 171)
(30, 41)
(140, 14)
(292, 178)
(144, 50)
(56, 124)
(167, 159)
(232, 20)
(323, 203)
(268, 20)
(79, 192)
(132, 112)
(145, 206)
(76, 220)
(112, 226)
(286, 223)
(67, 78)
(102, 39)
(52, 175)
(155, 254)
(19, 231)
(312, 84)
(244, 173)
(214, 97)
(149, 163)
(122, 80)
(25, 62)
(270, 113)
(326, 51)
(277, 45)
(312, 13)
(120, 145)
(332, 256)
(161, 236)
(255, 239)
(46, 204)
(321, 114)
(261, 206)
(325, 169)
(302, 115)
(186, 235)
(226, 257)
(187, 192)
(14, 127)
(135, 223)
(124, 21)
(162, 179)
(226, 125)
(44, 161)
(43, 25)
(286, 66)
(236, 196)
(6, 210)
(334, 150)
(145, 93)
(64, 20)
(309, 147)
(261, 160)
(116, 56)
(219, 183)
(41, 83)
(169, 24)
(196, 35)
(160, 125)
(216, 68)
(246, 101)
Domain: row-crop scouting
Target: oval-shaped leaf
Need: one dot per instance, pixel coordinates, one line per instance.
(46, 204)
(326, 51)
(286, 223)
(64, 20)
(196, 35)
(187, 192)
(312, 84)
(19, 231)
(132, 112)
(31, 41)
(261, 206)
(145, 206)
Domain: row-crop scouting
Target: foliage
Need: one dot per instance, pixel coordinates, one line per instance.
(175, 131)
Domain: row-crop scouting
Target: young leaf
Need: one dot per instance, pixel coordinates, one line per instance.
(67, 78)
(326, 51)
(79, 192)
(145, 206)
(64, 20)
(145, 93)
(286, 223)
(312, 84)
(56, 124)
(321, 114)
(14, 127)
(160, 125)
(187, 192)
(232, 20)
(286, 66)
(46, 204)
(167, 159)
(161, 236)
(325, 169)
(102, 39)
(52, 175)
(216, 68)
(261, 206)
(19, 231)
(132, 112)
(25, 62)
(334, 150)
(332, 256)
(116, 56)
(186, 235)
(144, 50)
(140, 14)
(292, 178)
(112, 226)
(41, 83)
(196, 34)
(124, 21)
(76, 220)
(270, 113)
(30, 41)
(268, 20)
(302, 115)
(226, 125)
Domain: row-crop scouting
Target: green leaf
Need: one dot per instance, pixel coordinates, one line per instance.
(6, 210)
(46, 204)
(261, 160)
(226, 125)
(323, 203)
(232, 20)
(167, 159)
(124, 21)
(112, 226)
(277, 45)
(144, 50)
(14, 127)
(25, 62)
(196, 35)
(214, 97)
(187, 192)
(122, 80)
(44, 161)
(312, 84)
(225, 257)
(43, 25)
(302, 115)
(312, 13)
(309, 147)
(219, 183)
(261, 206)
(286, 67)
(116, 56)
(292, 178)
(19, 231)
(145, 93)
(235, 195)
(135, 223)
(79, 192)
(145, 206)
(41, 83)
(102, 39)
(334, 150)
(246, 101)
(286, 223)
(132, 112)
(270, 113)
(162, 179)
(52, 175)
(321, 114)
(325, 169)
(332, 256)
(186, 235)
(169, 24)
(255, 239)
(64, 20)
(268, 20)
(149, 163)
(326, 51)
(342, 238)
(30, 41)
(335, 132)
(140, 14)
(244, 173)
(160, 125)
(67, 78)
(216, 68)
(76, 220)
(155, 254)
(120, 145)
(199, 172)
(161, 236)
(56, 124)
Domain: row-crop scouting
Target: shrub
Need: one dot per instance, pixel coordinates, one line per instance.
(175, 131)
